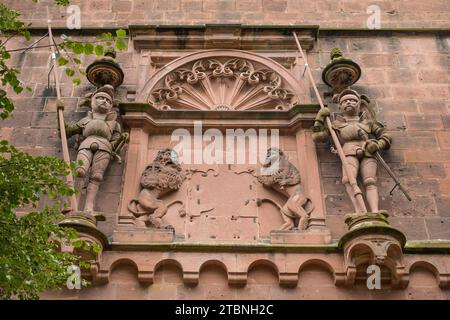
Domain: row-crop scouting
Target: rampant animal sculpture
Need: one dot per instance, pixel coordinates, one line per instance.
(162, 176)
(285, 179)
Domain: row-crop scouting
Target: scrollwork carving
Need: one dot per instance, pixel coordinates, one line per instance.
(233, 84)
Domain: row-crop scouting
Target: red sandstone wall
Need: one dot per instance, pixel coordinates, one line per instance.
(326, 13)
(405, 74)
(408, 76)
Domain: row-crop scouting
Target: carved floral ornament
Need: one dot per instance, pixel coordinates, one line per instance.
(222, 83)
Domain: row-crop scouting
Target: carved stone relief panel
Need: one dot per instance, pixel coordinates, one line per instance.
(218, 202)
(225, 84)
(224, 80)
(222, 201)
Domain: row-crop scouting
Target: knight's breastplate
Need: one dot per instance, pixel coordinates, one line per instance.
(350, 132)
(97, 127)
(349, 136)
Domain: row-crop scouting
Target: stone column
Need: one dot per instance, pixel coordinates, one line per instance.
(136, 160)
(309, 171)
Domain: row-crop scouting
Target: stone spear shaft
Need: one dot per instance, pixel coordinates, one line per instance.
(62, 128)
(352, 180)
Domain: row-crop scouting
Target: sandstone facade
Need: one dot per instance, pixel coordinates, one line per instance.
(405, 71)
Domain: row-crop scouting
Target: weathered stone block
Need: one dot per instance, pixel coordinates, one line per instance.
(430, 170)
(142, 235)
(443, 206)
(438, 228)
(424, 122)
(413, 227)
(274, 5)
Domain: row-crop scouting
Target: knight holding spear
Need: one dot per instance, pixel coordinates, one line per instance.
(101, 139)
(100, 134)
(357, 136)
(361, 138)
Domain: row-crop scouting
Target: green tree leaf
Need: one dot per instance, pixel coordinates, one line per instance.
(121, 33)
(62, 61)
(99, 50)
(120, 44)
(88, 48)
(78, 48)
(27, 35)
(70, 72)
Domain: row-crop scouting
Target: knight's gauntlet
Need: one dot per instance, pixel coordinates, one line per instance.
(372, 146)
(383, 139)
(384, 142)
(322, 114)
(72, 129)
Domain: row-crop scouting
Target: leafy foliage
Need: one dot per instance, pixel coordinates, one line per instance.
(30, 259)
(74, 49)
(10, 25)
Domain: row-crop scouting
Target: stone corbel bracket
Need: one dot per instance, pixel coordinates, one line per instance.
(380, 250)
(88, 232)
(372, 241)
(224, 36)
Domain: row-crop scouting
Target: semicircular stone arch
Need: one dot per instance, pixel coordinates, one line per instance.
(223, 80)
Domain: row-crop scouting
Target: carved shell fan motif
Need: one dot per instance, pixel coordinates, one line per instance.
(222, 84)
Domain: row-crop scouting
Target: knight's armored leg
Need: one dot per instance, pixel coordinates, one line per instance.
(99, 165)
(369, 176)
(84, 155)
(353, 166)
(91, 193)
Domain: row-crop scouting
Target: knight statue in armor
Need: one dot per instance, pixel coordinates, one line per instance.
(101, 139)
(361, 136)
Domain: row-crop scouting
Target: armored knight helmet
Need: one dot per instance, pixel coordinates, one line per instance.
(366, 109)
(107, 88)
(347, 92)
(105, 91)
